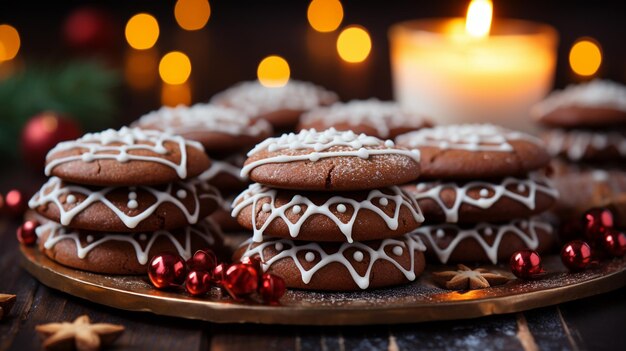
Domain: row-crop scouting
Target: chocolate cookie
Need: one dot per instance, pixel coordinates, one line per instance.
(339, 267)
(129, 156)
(314, 216)
(225, 174)
(485, 242)
(478, 201)
(122, 253)
(330, 160)
(599, 103)
(586, 145)
(126, 209)
(280, 106)
(219, 129)
(382, 119)
(475, 151)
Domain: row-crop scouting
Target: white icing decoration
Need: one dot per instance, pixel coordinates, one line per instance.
(309, 257)
(440, 233)
(279, 246)
(266, 208)
(535, 183)
(203, 117)
(296, 209)
(516, 227)
(89, 238)
(483, 192)
(580, 141)
(257, 192)
(383, 201)
(97, 146)
(206, 230)
(225, 166)
(70, 199)
(467, 137)
(358, 256)
(351, 144)
(341, 208)
(181, 194)
(397, 250)
(382, 116)
(597, 93)
(143, 237)
(412, 243)
(55, 189)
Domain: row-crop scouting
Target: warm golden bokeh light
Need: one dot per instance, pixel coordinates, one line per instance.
(142, 31)
(273, 71)
(140, 68)
(192, 14)
(175, 68)
(174, 95)
(585, 57)
(354, 44)
(9, 42)
(325, 15)
(479, 15)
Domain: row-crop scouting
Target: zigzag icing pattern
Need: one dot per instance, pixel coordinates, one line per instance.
(468, 137)
(490, 193)
(518, 227)
(314, 252)
(597, 93)
(98, 147)
(142, 243)
(375, 202)
(358, 145)
(575, 143)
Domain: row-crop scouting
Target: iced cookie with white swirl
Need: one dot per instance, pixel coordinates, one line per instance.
(330, 160)
(339, 266)
(129, 156)
(114, 253)
(139, 208)
(280, 106)
(475, 151)
(587, 145)
(382, 119)
(321, 216)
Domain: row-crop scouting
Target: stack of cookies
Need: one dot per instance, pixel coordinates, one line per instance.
(587, 132)
(326, 213)
(478, 192)
(116, 198)
(226, 135)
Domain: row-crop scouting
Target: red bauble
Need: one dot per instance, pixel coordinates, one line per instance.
(203, 260)
(42, 132)
(198, 283)
(88, 29)
(219, 272)
(254, 262)
(240, 280)
(614, 242)
(576, 255)
(595, 221)
(272, 288)
(167, 270)
(15, 203)
(26, 233)
(526, 264)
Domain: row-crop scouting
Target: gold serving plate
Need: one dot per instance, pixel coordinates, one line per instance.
(416, 302)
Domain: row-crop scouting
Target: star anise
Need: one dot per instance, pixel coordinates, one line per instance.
(6, 303)
(466, 278)
(79, 335)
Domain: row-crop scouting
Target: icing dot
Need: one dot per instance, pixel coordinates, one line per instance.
(389, 143)
(181, 194)
(159, 148)
(397, 250)
(521, 188)
(309, 257)
(420, 187)
(314, 157)
(87, 157)
(296, 209)
(143, 237)
(70, 199)
(483, 192)
(383, 201)
(524, 225)
(488, 231)
(89, 238)
(279, 246)
(132, 195)
(132, 204)
(440, 233)
(341, 208)
(122, 157)
(266, 207)
(363, 153)
(358, 256)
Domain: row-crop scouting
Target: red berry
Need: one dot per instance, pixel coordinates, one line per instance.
(526, 264)
(203, 260)
(254, 262)
(167, 270)
(218, 273)
(15, 203)
(198, 283)
(576, 255)
(26, 233)
(240, 280)
(614, 242)
(272, 288)
(595, 222)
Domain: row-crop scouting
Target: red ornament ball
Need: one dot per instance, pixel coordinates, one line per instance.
(89, 29)
(219, 272)
(42, 132)
(272, 288)
(595, 221)
(203, 260)
(15, 203)
(614, 242)
(240, 280)
(26, 234)
(576, 255)
(198, 283)
(526, 264)
(254, 262)
(167, 270)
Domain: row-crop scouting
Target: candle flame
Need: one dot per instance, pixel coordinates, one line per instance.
(478, 22)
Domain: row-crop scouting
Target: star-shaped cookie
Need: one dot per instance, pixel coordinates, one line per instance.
(466, 278)
(6, 302)
(79, 335)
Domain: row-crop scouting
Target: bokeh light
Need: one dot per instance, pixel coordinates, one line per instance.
(142, 31)
(9, 42)
(192, 14)
(175, 68)
(479, 15)
(273, 71)
(354, 44)
(325, 15)
(140, 68)
(585, 57)
(174, 95)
